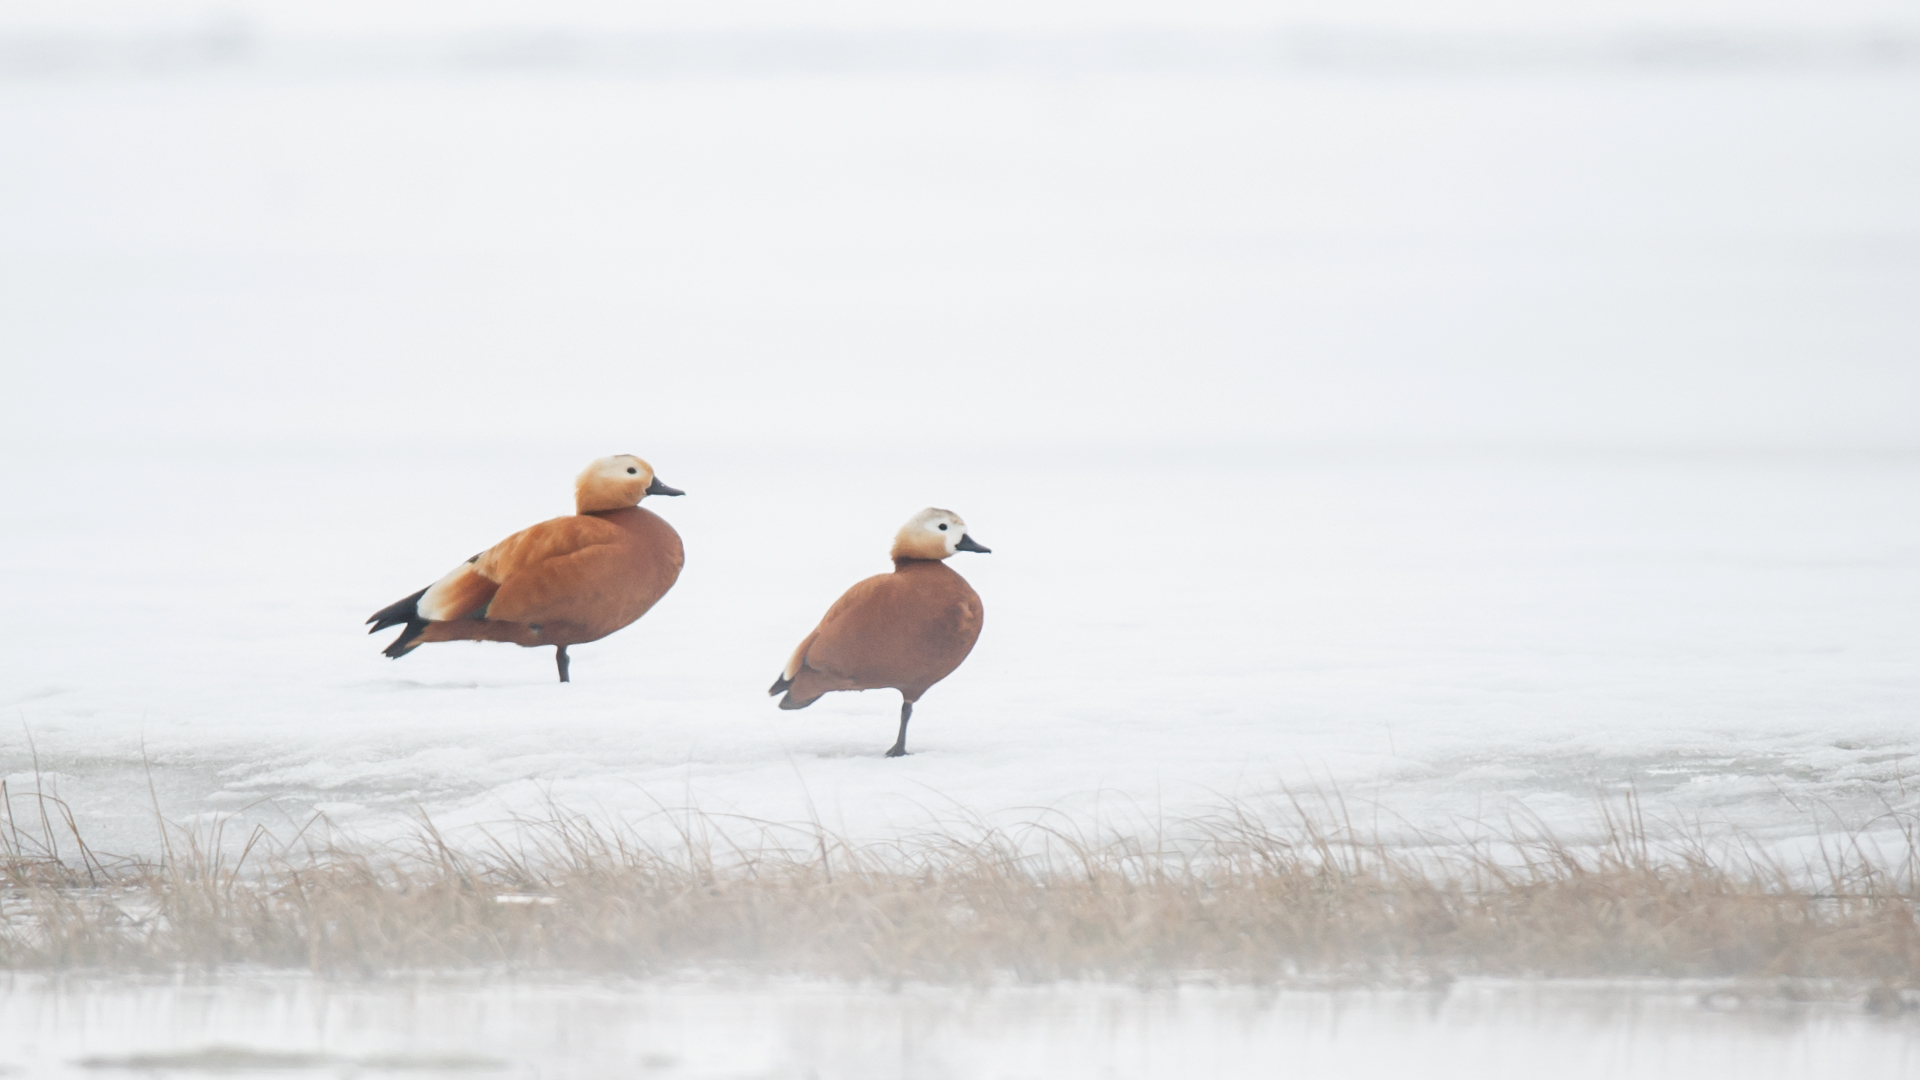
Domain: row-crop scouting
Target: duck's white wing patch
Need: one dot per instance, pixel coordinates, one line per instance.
(463, 593)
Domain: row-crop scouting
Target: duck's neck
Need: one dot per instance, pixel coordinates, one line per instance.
(908, 562)
(586, 504)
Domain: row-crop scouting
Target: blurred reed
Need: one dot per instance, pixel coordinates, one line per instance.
(1291, 892)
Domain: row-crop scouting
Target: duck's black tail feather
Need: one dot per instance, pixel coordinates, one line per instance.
(404, 611)
(785, 685)
(791, 702)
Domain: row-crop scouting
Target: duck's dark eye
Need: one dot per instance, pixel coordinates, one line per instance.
(943, 528)
(631, 469)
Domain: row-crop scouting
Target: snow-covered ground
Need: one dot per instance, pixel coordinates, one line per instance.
(1733, 635)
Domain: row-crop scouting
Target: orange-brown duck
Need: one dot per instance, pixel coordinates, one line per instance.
(906, 630)
(561, 582)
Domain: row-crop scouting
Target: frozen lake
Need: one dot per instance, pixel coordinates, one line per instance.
(1446, 637)
(1474, 426)
(245, 1026)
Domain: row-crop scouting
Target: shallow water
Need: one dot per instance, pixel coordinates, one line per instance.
(263, 1025)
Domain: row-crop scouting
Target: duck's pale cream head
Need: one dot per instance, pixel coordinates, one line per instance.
(613, 483)
(933, 534)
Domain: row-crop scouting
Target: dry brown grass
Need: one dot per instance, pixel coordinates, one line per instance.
(1236, 896)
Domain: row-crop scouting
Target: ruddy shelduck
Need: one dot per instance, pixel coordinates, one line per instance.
(906, 630)
(562, 582)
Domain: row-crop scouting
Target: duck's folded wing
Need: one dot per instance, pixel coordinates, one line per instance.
(557, 571)
(853, 629)
(471, 590)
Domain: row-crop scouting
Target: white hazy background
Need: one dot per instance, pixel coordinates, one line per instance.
(1462, 406)
(1637, 224)
(1476, 410)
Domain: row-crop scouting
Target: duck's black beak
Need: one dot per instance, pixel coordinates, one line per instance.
(658, 488)
(968, 543)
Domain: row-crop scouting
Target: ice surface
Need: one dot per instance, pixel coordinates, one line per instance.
(1442, 635)
(1467, 440)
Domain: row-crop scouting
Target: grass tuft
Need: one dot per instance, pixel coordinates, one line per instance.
(1235, 895)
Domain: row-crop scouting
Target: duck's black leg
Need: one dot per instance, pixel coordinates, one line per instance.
(900, 744)
(560, 658)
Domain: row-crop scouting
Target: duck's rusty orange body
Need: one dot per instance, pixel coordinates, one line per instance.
(906, 630)
(562, 582)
